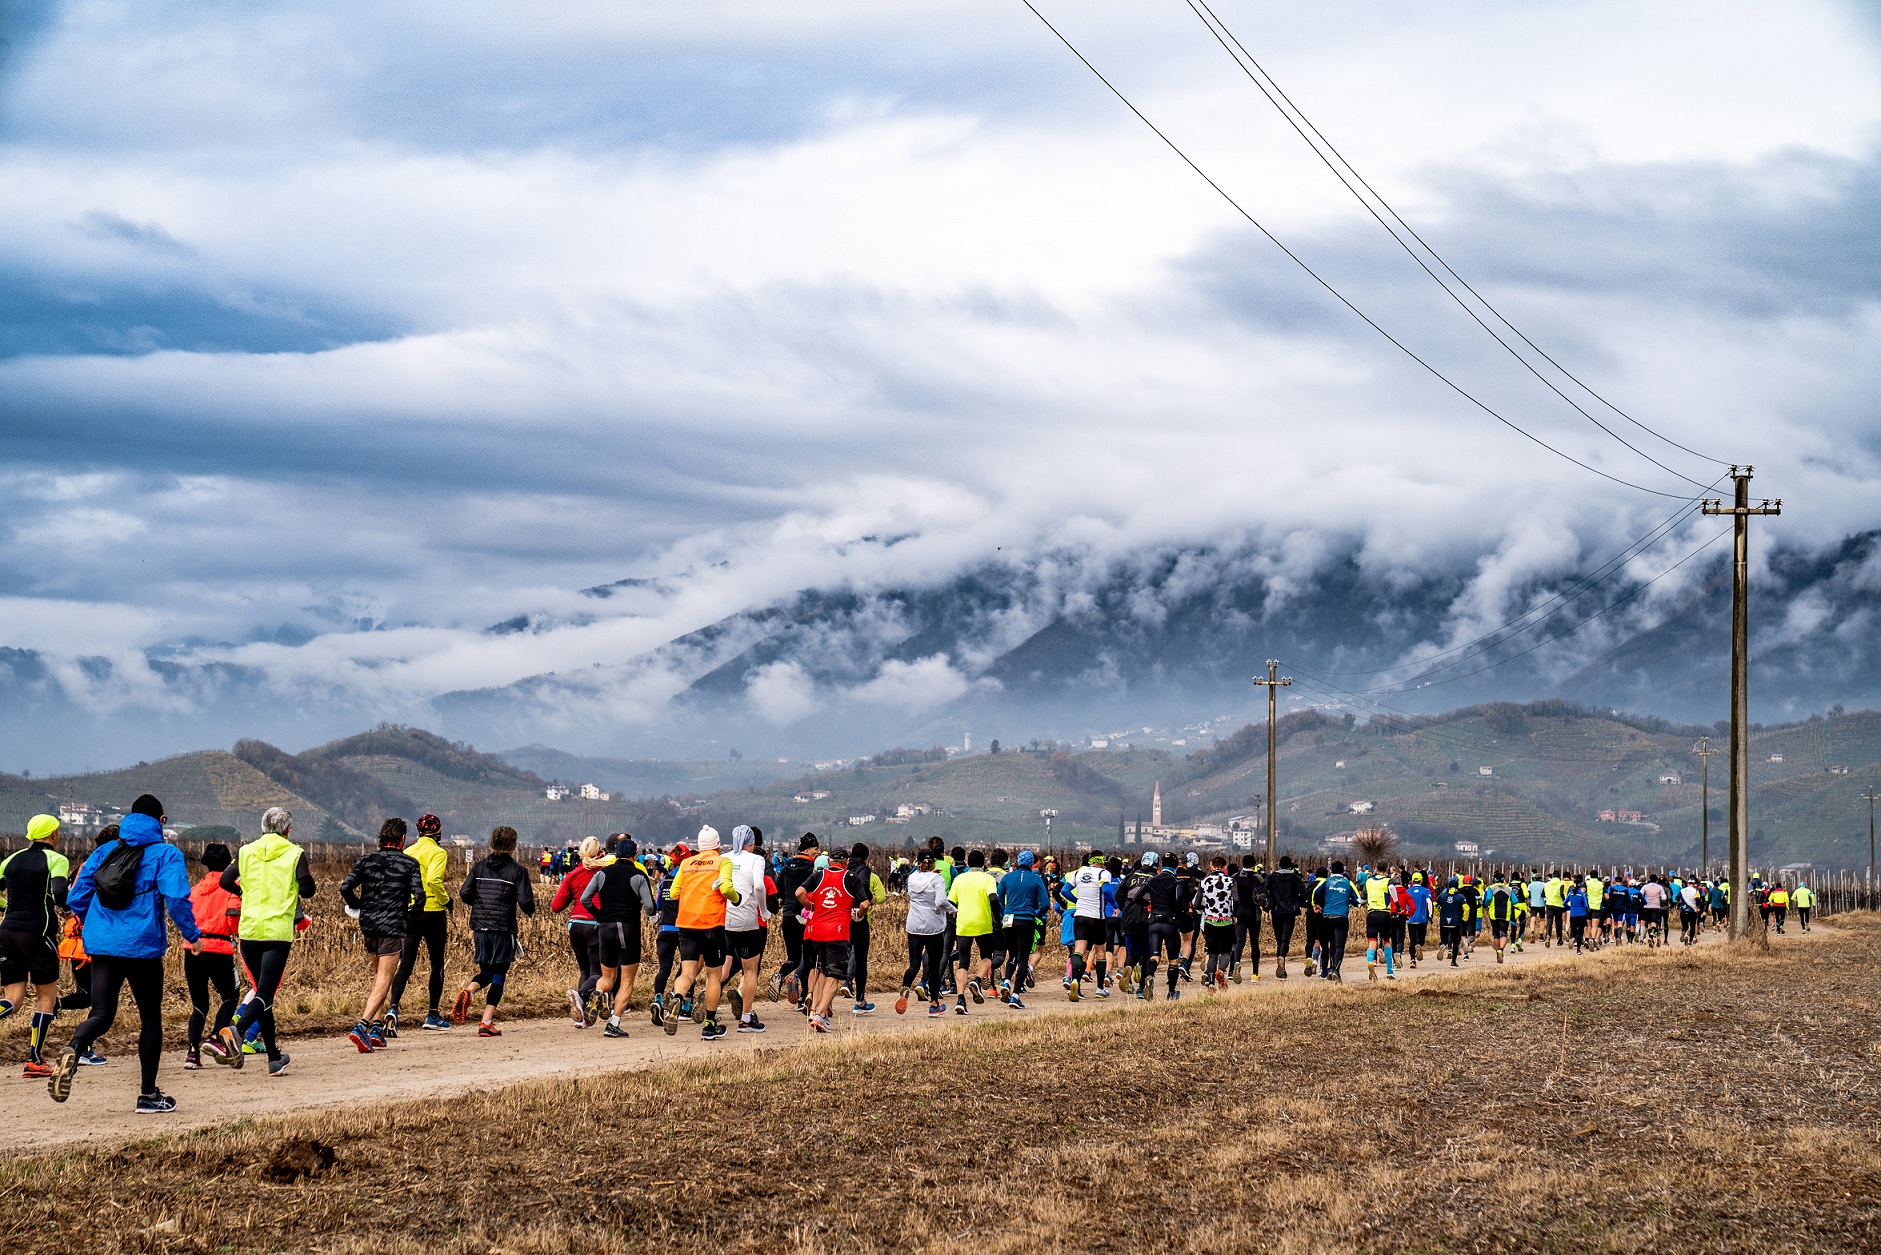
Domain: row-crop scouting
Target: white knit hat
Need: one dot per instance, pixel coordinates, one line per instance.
(708, 838)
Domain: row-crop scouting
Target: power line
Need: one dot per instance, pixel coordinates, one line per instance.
(1261, 79)
(1336, 294)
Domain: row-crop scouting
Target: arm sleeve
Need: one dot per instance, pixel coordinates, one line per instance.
(726, 887)
(468, 893)
(303, 877)
(875, 889)
(349, 888)
(651, 898)
(60, 887)
(231, 879)
(563, 897)
(589, 894)
(173, 884)
(525, 891)
(78, 897)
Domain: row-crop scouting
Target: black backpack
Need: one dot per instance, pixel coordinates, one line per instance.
(116, 878)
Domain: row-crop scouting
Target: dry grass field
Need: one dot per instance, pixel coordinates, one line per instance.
(1716, 1100)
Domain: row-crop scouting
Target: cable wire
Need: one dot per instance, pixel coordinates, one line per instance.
(1261, 79)
(1336, 294)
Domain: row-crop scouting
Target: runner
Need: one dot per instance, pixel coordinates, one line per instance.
(498, 886)
(703, 887)
(1163, 896)
(1217, 910)
(616, 895)
(1578, 914)
(1417, 923)
(127, 942)
(928, 909)
(1333, 900)
(217, 913)
(1380, 927)
(426, 927)
(584, 934)
(1472, 913)
(666, 938)
(1024, 903)
(1779, 905)
(1452, 906)
(867, 888)
(746, 921)
(270, 876)
(1595, 891)
(1286, 895)
(1653, 896)
(800, 870)
(1113, 928)
(831, 902)
(1190, 922)
(1691, 913)
(1250, 889)
(1804, 900)
(973, 895)
(1499, 908)
(1090, 931)
(1315, 924)
(33, 883)
(1554, 901)
(379, 892)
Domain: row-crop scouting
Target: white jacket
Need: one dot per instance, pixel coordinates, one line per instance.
(748, 878)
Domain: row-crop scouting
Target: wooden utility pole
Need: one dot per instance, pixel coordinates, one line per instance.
(1273, 684)
(1741, 511)
(1704, 752)
(1867, 893)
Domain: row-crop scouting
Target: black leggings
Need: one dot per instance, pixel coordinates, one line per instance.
(1019, 940)
(428, 929)
(1247, 937)
(1163, 938)
(201, 971)
(109, 976)
(927, 955)
(859, 959)
(266, 962)
(80, 997)
(585, 941)
(666, 946)
(1337, 930)
(1283, 933)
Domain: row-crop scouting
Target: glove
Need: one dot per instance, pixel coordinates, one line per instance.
(352, 912)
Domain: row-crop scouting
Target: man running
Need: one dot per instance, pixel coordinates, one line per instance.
(866, 886)
(270, 876)
(1578, 914)
(1164, 895)
(1217, 910)
(928, 909)
(1380, 927)
(1333, 900)
(831, 902)
(1452, 906)
(1417, 922)
(703, 887)
(126, 938)
(746, 923)
(1499, 907)
(1804, 900)
(426, 926)
(799, 871)
(33, 883)
(973, 894)
(617, 895)
(1089, 929)
(1190, 922)
(1286, 895)
(1023, 903)
(1250, 889)
(496, 889)
(379, 891)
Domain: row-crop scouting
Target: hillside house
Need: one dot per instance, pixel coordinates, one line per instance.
(594, 793)
(1838, 770)
(1361, 808)
(1468, 849)
(555, 793)
(1485, 771)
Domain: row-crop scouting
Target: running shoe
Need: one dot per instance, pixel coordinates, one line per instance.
(1143, 993)
(1221, 983)
(230, 1053)
(713, 1031)
(1005, 990)
(613, 1030)
(214, 1047)
(901, 1003)
(844, 991)
(1103, 991)
(775, 990)
(276, 1067)
(960, 1008)
(253, 1046)
(378, 1036)
(1413, 962)
(670, 1023)
(862, 1008)
(391, 1023)
(789, 987)
(685, 1010)
(1074, 990)
(155, 1103)
(975, 991)
(737, 999)
(1309, 967)
(577, 1009)
(59, 1084)
(598, 1007)
(656, 1010)
(192, 1061)
(1498, 956)
(487, 1029)
(436, 1022)
(91, 1059)
(1175, 994)
(1015, 1004)
(7, 1008)
(38, 1070)
(751, 1025)
(935, 1009)
(361, 1036)
(461, 1008)
(1371, 970)
(922, 992)
(819, 1024)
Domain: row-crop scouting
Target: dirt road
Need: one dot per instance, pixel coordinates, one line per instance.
(329, 1072)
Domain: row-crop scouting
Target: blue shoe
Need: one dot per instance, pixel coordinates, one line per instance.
(91, 1059)
(1015, 1004)
(378, 1036)
(863, 1008)
(436, 1022)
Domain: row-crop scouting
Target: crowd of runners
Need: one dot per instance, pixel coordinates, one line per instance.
(974, 921)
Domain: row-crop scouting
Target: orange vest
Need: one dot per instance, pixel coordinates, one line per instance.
(73, 946)
(701, 905)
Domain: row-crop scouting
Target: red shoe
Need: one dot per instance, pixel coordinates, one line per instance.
(486, 1029)
(37, 1072)
(361, 1038)
(461, 1008)
(901, 1003)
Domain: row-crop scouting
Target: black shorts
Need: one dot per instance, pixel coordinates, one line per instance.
(830, 958)
(963, 948)
(745, 943)
(383, 947)
(1094, 932)
(495, 949)
(1498, 928)
(620, 943)
(1380, 924)
(1218, 938)
(27, 956)
(1188, 922)
(702, 945)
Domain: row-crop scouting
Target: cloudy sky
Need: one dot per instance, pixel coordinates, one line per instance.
(332, 335)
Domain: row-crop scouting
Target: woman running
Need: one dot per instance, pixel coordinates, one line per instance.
(217, 913)
(270, 876)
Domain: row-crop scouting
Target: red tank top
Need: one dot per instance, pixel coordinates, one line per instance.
(830, 903)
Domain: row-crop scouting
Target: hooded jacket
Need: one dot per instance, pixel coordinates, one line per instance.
(750, 912)
(382, 887)
(277, 878)
(1022, 894)
(497, 887)
(1286, 892)
(162, 884)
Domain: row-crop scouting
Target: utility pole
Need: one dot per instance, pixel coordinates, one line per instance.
(1867, 893)
(1704, 752)
(1741, 511)
(1273, 684)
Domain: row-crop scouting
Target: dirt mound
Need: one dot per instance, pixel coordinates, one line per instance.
(296, 1159)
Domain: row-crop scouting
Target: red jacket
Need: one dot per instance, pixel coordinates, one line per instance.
(218, 912)
(568, 894)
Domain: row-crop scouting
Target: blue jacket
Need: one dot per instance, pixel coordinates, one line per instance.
(136, 932)
(1336, 895)
(1022, 894)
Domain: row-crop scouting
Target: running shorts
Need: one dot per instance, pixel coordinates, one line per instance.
(383, 947)
(620, 943)
(1218, 938)
(1091, 931)
(27, 956)
(1187, 922)
(1498, 928)
(745, 943)
(1379, 924)
(495, 949)
(701, 945)
(1113, 933)
(963, 948)
(832, 959)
